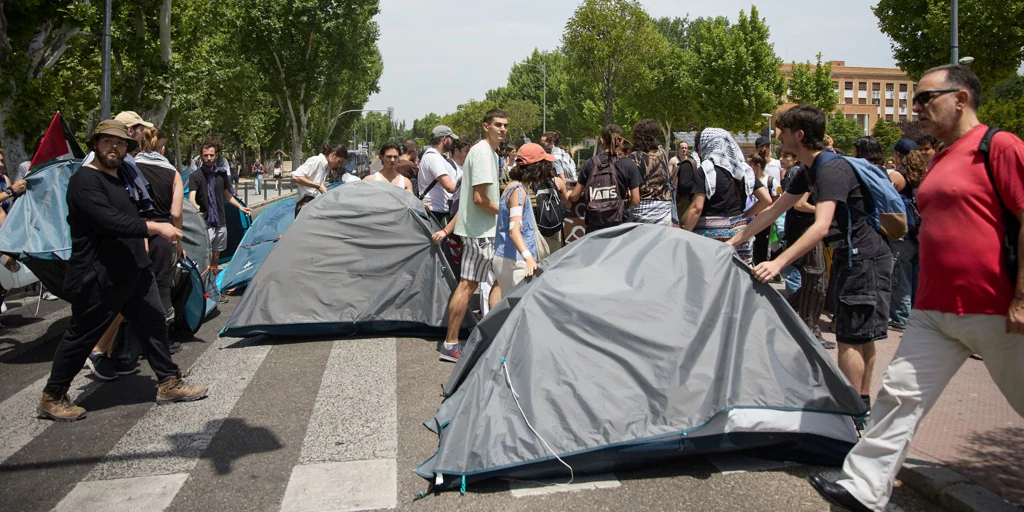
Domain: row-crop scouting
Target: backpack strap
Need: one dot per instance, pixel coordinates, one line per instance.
(985, 148)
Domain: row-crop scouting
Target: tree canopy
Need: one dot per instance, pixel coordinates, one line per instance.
(812, 83)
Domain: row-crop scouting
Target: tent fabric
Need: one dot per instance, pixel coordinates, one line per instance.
(637, 344)
(255, 246)
(238, 223)
(357, 260)
(196, 242)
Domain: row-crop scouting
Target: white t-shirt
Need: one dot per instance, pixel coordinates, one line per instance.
(313, 169)
(433, 166)
(349, 178)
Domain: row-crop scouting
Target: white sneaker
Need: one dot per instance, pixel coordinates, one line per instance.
(48, 296)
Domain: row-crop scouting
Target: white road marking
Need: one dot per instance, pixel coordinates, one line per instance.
(520, 488)
(342, 486)
(140, 494)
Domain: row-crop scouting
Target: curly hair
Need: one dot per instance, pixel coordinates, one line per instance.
(537, 172)
(212, 142)
(645, 135)
(915, 164)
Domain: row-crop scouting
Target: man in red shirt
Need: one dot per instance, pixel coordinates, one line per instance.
(967, 300)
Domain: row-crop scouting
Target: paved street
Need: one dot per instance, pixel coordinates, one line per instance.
(336, 424)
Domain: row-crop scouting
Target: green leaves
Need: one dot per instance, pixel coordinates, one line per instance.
(812, 83)
(1007, 114)
(843, 131)
(887, 134)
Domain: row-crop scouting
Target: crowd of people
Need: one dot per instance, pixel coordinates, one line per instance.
(802, 215)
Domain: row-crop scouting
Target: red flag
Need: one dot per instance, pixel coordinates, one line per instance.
(57, 144)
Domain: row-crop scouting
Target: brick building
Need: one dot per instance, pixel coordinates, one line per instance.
(868, 94)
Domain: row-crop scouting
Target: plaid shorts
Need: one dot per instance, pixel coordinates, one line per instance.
(477, 254)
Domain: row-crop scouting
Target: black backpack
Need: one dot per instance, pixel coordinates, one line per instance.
(604, 205)
(548, 211)
(1010, 222)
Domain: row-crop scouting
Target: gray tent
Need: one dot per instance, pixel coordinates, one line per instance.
(638, 344)
(358, 259)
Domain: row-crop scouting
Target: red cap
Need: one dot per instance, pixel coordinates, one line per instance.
(531, 153)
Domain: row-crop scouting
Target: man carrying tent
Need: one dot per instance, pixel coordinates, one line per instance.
(311, 175)
(476, 223)
(209, 187)
(109, 273)
(865, 261)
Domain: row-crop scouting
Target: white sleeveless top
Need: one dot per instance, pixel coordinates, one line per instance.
(401, 180)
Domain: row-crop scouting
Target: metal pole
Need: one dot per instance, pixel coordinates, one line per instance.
(954, 35)
(544, 122)
(105, 94)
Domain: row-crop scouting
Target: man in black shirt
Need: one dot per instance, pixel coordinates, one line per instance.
(209, 186)
(865, 262)
(109, 273)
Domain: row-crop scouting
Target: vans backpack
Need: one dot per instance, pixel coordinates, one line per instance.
(888, 214)
(549, 214)
(604, 206)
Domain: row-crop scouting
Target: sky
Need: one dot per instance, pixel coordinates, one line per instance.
(440, 53)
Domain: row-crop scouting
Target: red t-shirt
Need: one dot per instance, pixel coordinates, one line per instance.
(962, 226)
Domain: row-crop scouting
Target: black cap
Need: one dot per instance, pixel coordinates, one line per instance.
(762, 141)
(904, 146)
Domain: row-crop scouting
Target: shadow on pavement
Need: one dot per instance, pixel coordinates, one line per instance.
(257, 440)
(995, 459)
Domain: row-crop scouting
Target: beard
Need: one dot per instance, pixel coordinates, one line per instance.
(111, 162)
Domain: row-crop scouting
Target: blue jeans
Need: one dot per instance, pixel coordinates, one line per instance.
(791, 276)
(259, 183)
(904, 281)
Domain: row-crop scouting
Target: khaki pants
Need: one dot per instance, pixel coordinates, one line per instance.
(934, 347)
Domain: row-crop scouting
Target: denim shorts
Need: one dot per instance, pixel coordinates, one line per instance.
(863, 288)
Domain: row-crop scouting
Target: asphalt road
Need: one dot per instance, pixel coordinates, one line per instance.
(304, 424)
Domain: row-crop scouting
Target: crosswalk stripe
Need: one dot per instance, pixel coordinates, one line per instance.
(123, 494)
(355, 416)
(521, 488)
(342, 486)
(349, 455)
(729, 463)
(170, 439)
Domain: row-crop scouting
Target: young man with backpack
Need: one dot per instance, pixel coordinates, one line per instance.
(850, 200)
(552, 201)
(968, 300)
(606, 182)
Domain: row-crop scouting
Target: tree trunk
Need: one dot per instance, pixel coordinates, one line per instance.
(666, 130)
(13, 141)
(297, 138)
(177, 145)
(159, 112)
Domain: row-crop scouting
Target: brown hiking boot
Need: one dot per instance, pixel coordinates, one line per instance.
(175, 390)
(58, 407)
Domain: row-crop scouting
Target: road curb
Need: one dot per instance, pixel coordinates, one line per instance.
(261, 204)
(951, 490)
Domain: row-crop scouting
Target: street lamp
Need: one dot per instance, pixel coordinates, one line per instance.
(544, 74)
(966, 61)
(768, 117)
(954, 34)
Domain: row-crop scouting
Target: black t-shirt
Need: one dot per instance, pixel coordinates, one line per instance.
(797, 222)
(197, 183)
(685, 177)
(107, 234)
(161, 188)
(727, 200)
(626, 173)
(836, 181)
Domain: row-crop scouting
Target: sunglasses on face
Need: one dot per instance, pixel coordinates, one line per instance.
(924, 97)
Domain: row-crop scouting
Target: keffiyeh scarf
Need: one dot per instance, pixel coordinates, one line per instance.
(717, 148)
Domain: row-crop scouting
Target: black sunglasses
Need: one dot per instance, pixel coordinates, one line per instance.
(922, 98)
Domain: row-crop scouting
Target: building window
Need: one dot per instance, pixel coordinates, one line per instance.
(849, 86)
(849, 100)
(875, 101)
(863, 101)
(835, 86)
(862, 86)
(903, 87)
(876, 86)
(888, 117)
(888, 102)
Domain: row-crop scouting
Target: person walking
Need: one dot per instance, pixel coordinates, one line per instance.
(475, 224)
(257, 175)
(436, 176)
(109, 273)
(969, 301)
(721, 187)
(389, 154)
(209, 188)
(607, 183)
(655, 206)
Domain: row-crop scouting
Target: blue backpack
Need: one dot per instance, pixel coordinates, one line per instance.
(888, 214)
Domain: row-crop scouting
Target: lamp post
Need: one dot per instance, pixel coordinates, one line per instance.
(105, 65)
(966, 61)
(954, 34)
(768, 117)
(544, 76)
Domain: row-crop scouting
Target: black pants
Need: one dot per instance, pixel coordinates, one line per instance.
(809, 300)
(163, 254)
(300, 203)
(761, 245)
(92, 310)
(442, 218)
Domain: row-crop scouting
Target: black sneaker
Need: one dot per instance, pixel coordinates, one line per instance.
(826, 344)
(897, 327)
(102, 367)
(175, 347)
(124, 367)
